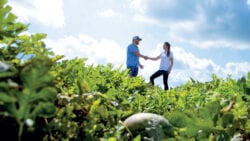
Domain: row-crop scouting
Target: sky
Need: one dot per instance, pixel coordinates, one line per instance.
(207, 37)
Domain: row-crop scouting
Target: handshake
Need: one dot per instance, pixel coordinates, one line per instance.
(151, 58)
(145, 57)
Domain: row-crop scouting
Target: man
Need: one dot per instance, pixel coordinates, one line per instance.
(133, 55)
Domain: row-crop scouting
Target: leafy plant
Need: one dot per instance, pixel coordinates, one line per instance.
(45, 98)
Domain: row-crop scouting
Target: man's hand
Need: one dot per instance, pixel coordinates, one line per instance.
(145, 57)
(141, 66)
(169, 72)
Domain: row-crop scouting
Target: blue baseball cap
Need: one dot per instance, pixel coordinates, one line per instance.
(137, 38)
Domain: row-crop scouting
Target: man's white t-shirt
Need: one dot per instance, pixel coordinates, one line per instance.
(165, 61)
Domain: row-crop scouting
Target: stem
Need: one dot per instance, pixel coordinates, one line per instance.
(20, 131)
(127, 129)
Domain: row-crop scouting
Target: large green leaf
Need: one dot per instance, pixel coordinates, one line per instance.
(48, 94)
(227, 119)
(210, 112)
(36, 74)
(3, 2)
(4, 97)
(44, 110)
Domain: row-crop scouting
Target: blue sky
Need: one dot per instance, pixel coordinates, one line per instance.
(208, 36)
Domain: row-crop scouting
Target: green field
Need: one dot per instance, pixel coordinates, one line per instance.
(46, 97)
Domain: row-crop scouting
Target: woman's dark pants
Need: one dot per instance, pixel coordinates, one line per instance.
(157, 74)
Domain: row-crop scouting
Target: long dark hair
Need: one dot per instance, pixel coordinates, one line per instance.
(168, 45)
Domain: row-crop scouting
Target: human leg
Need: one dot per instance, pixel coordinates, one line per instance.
(155, 75)
(133, 71)
(165, 80)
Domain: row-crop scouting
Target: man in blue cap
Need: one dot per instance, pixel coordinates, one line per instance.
(133, 55)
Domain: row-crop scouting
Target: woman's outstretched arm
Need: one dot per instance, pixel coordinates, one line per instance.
(155, 58)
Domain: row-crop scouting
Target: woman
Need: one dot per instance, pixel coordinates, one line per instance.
(165, 66)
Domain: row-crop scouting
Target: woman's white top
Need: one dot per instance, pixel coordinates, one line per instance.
(165, 61)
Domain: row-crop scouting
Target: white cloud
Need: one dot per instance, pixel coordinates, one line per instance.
(188, 26)
(183, 75)
(206, 43)
(179, 30)
(192, 62)
(20, 11)
(108, 13)
(182, 31)
(139, 5)
(237, 70)
(201, 69)
(248, 2)
(144, 19)
(96, 51)
(49, 13)
(220, 43)
(144, 6)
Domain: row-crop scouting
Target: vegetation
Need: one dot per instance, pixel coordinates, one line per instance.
(43, 97)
